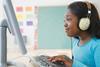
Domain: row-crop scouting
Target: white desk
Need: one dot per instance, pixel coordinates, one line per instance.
(16, 55)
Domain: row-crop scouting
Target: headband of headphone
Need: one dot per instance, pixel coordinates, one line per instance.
(89, 9)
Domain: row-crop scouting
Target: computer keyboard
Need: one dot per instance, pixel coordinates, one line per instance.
(42, 61)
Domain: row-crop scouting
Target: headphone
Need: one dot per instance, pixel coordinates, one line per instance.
(84, 23)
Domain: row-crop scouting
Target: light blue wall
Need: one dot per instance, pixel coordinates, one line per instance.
(51, 28)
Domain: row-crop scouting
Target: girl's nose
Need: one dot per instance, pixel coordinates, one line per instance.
(65, 25)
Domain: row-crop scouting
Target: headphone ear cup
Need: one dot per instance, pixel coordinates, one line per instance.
(84, 23)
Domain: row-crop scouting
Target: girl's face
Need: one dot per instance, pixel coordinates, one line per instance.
(70, 24)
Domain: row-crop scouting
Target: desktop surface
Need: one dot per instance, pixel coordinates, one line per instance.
(22, 60)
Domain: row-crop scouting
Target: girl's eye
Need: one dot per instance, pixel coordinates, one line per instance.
(68, 19)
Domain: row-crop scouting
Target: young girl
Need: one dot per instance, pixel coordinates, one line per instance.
(83, 23)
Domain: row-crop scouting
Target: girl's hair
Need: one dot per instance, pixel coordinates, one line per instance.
(80, 9)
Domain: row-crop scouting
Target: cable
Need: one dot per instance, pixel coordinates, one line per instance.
(72, 48)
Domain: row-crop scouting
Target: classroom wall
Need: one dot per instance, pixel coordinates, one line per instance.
(28, 32)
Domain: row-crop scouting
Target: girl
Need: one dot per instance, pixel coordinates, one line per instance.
(82, 22)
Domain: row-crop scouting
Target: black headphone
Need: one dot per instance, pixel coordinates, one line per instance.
(84, 23)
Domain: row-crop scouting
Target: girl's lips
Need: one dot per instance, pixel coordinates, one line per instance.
(66, 30)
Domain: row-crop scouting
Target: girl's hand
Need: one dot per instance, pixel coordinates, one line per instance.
(62, 58)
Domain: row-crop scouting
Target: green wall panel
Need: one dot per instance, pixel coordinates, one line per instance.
(51, 28)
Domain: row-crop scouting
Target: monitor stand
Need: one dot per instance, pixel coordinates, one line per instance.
(3, 47)
(3, 43)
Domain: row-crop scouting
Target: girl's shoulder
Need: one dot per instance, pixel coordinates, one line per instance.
(95, 43)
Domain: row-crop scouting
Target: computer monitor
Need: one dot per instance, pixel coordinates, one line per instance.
(10, 22)
(13, 24)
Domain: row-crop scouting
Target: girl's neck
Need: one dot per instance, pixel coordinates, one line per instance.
(84, 38)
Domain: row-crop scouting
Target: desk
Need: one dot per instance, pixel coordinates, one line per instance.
(17, 57)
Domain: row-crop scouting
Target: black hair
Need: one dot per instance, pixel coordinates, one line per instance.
(80, 9)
